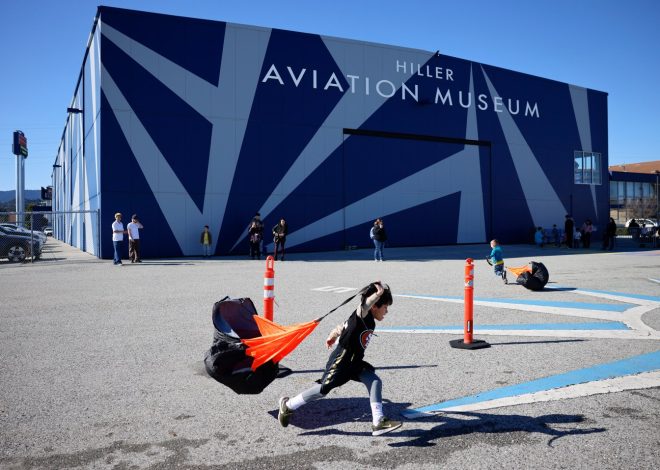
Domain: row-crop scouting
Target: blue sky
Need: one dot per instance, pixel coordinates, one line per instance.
(606, 45)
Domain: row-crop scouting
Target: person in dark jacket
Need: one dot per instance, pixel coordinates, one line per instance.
(633, 229)
(279, 236)
(569, 225)
(255, 234)
(610, 235)
(379, 236)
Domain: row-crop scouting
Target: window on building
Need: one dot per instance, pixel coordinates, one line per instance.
(587, 168)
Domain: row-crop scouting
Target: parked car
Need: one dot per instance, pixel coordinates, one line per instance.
(48, 231)
(16, 246)
(640, 222)
(35, 233)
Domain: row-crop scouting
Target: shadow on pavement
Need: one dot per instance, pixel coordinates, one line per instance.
(331, 412)
(320, 371)
(462, 423)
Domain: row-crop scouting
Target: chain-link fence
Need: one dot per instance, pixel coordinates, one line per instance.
(25, 235)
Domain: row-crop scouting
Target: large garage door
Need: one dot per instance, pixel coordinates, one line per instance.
(429, 190)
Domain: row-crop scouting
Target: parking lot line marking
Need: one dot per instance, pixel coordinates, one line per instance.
(519, 326)
(617, 295)
(634, 365)
(527, 302)
(338, 290)
(617, 384)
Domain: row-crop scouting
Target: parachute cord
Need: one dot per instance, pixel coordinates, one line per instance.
(340, 305)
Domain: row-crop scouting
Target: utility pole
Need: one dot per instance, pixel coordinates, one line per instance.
(20, 149)
(656, 234)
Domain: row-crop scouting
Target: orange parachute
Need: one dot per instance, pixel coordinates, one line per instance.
(519, 270)
(276, 341)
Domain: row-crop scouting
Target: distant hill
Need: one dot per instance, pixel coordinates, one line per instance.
(29, 195)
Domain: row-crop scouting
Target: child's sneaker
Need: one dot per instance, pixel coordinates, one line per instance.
(506, 281)
(385, 425)
(284, 413)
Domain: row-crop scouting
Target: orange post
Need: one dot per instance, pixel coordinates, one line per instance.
(269, 288)
(468, 297)
(468, 321)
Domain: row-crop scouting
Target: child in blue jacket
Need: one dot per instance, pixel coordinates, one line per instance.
(496, 259)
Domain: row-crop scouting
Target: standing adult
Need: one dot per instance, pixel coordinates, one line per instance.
(586, 233)
(279, 236)
(257, 219)
(569, 225)
(610, 235)
(133, 230)
(255, 235)
(633, 229)
(117, 238)
(379, 236)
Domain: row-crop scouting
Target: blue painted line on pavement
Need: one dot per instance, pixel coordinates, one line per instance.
(615, 325)
(540, 303)
(622, 294)
(634, 365)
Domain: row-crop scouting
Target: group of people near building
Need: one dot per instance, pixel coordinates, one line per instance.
(571, 237)
(256, 237)
(574, 237)
(643, 234)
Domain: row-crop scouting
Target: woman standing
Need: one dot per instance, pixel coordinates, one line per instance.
(379, 236)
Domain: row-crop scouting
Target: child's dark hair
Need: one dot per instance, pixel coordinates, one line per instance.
(385, 299)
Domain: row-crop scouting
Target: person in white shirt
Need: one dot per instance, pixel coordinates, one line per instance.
(133, 230)
(117, 238)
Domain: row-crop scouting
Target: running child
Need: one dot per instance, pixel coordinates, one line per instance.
(496, 258)
(346, 361)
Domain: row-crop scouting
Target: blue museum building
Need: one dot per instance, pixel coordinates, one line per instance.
(190, 122)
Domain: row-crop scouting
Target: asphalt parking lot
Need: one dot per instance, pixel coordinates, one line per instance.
(102, 365)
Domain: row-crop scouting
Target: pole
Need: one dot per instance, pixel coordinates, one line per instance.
(269, 288)
(22, 158)
(98, 233)
(19, 190)
(468, 300)
(468, 318)
(657, 188)
(657, 217)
